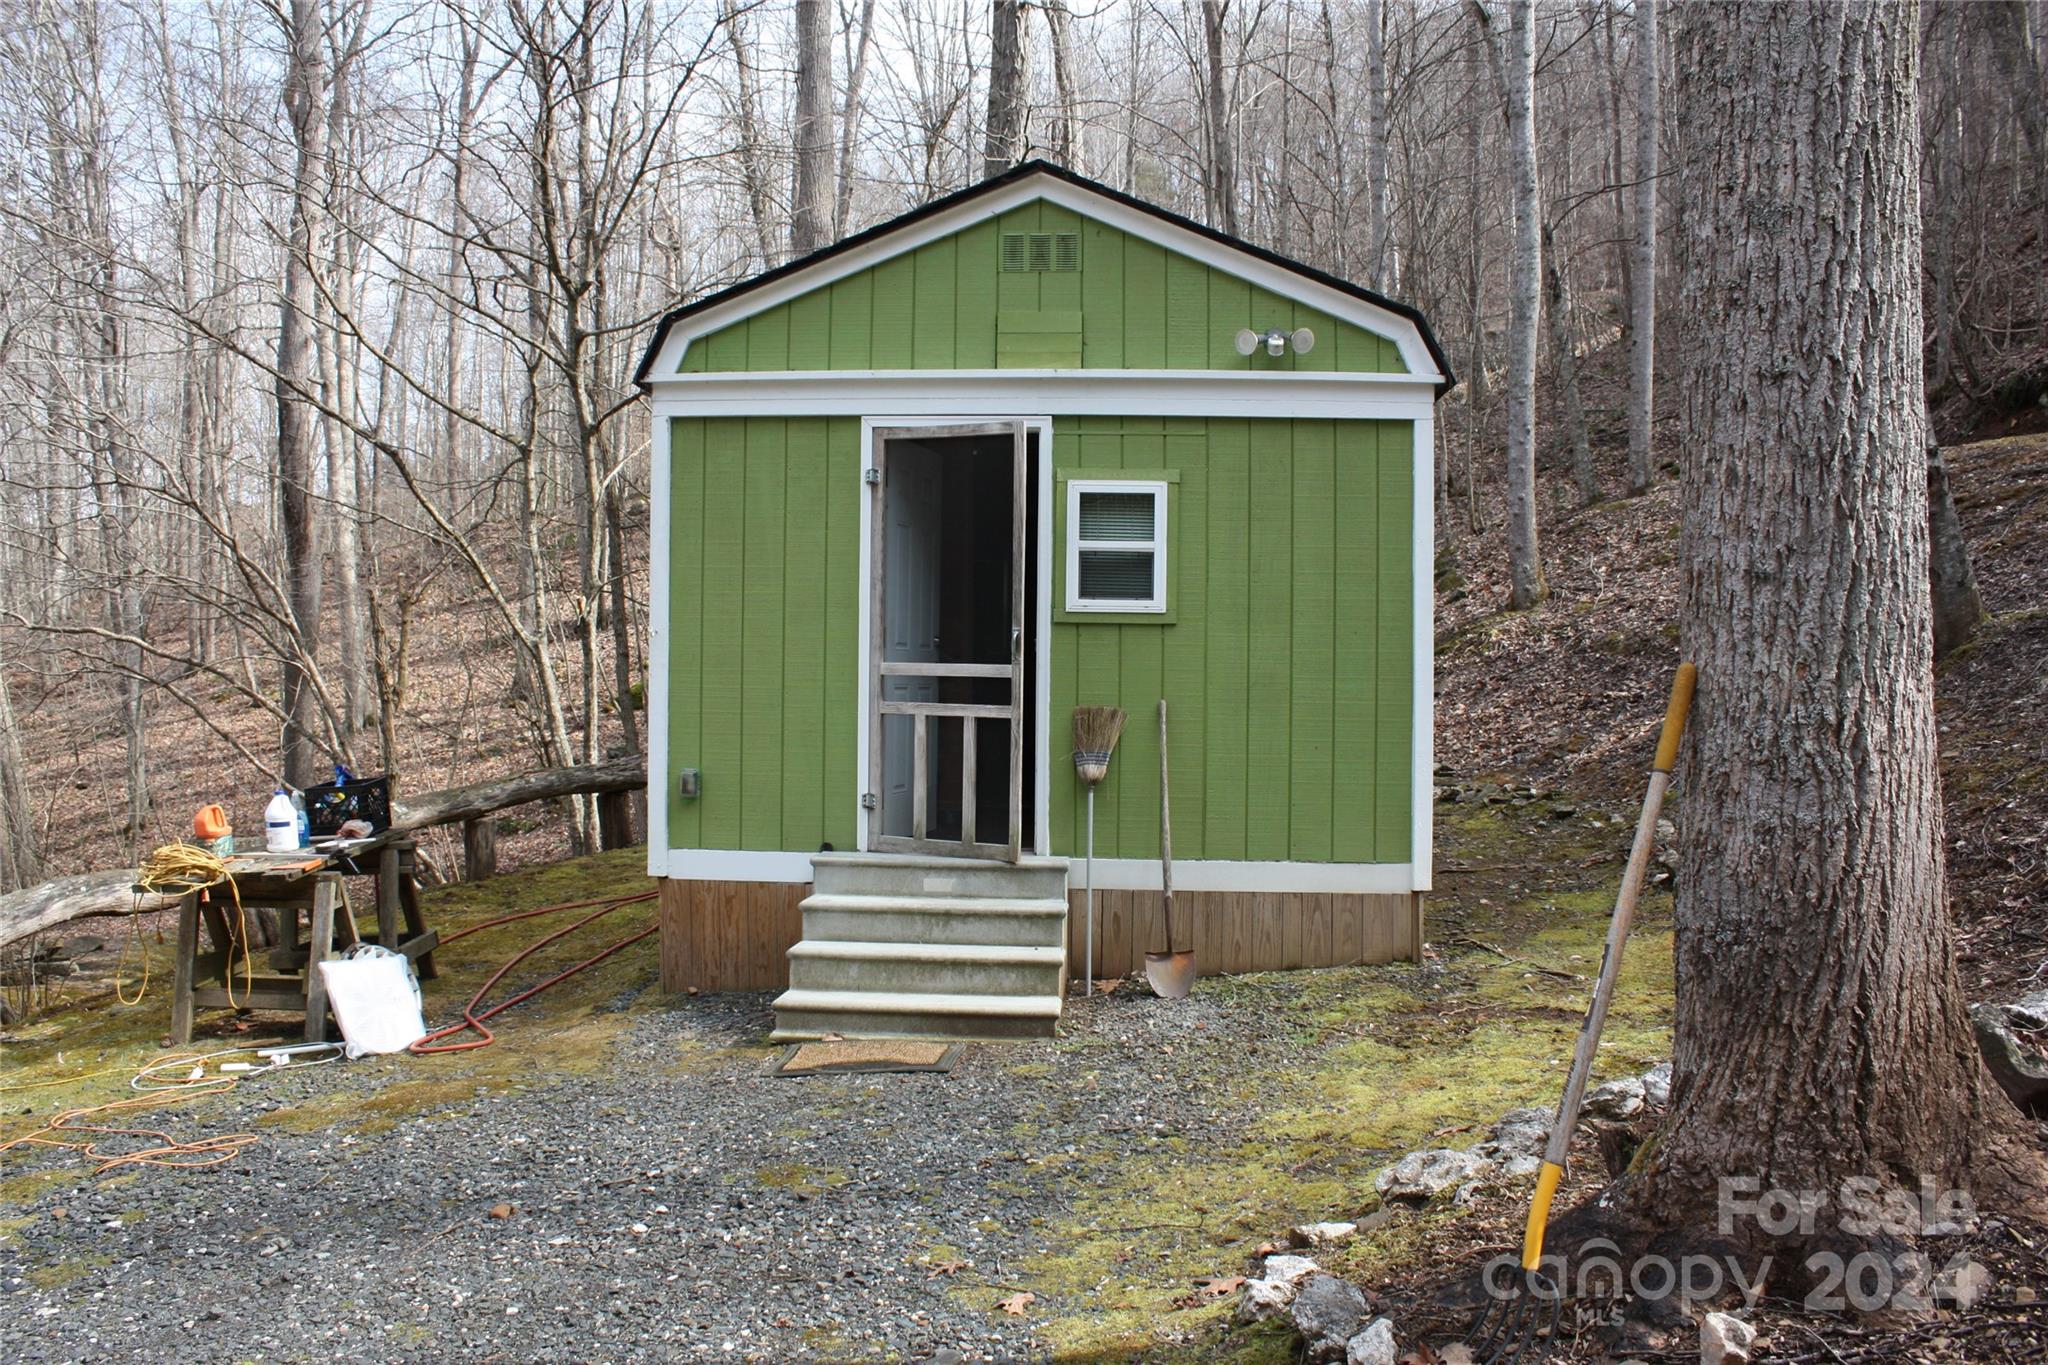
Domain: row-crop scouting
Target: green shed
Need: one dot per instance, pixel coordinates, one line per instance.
(920, 495)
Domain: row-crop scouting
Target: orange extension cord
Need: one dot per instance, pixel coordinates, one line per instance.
(67, 1132)
(472, 1019)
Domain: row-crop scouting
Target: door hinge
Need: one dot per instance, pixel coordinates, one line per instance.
(871, 476)
(869, 801)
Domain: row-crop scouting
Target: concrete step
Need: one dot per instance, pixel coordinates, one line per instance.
(804, 1014)
(965, 920)
(895, 874)
(925, 968)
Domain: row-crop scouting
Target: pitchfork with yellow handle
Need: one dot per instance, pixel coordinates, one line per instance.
(1503, 1332)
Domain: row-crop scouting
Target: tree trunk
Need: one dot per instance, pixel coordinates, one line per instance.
(1525, 554)
(1958, 610)
(1222, 177)
(1004, 141)
(810, 217)
(734, 15)
(1557, 302)
(305, 97)
(1381, 270)
(1820, 1026)
(1066, 114)
(849, 119)
(1642, 298)
(21, 861)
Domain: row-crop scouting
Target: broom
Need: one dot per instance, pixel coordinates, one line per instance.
(1096, 729)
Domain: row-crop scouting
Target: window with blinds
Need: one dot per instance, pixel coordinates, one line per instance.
(1116, 545)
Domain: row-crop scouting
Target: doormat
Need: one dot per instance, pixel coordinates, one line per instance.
(850, 1056)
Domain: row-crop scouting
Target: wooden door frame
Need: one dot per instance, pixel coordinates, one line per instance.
(1037, 680)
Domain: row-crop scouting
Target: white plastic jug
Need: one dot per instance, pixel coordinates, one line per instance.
(280, 824)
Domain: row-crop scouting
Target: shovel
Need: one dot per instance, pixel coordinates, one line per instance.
(1171, 974)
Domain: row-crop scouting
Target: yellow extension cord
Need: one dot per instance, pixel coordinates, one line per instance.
(181, 870)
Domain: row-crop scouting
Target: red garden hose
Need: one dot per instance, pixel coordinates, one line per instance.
(474, 1020)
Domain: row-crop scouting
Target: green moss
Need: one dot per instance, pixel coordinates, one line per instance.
(1399, 1059)
(71, 1269)
(808, 1180)
(32, 1185)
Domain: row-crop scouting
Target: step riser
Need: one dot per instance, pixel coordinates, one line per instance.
(797, 1025)
(1025, 882)
(909, 926)
(923, 978)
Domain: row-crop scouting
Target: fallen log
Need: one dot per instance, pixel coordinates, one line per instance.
(24, 914)
(482, 798)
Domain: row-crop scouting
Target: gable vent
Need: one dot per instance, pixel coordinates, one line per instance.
(1041, 251)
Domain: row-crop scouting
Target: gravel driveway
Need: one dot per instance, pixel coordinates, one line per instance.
(675, 1202)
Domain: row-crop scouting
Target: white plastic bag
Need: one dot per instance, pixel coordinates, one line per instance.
(375, 998)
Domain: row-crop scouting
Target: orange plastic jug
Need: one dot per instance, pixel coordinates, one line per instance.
(211, 822)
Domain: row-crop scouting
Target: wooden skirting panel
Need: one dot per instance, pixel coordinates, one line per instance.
(728, 936)
(1245, 931)
(734, 936)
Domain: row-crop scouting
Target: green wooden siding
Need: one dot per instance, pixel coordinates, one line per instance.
(1289, 668)
(1288, 662)
(763, 667)
(950, 305)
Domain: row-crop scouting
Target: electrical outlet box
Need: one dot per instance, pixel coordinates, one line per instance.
(690, 783)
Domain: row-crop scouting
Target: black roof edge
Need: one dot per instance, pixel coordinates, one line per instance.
(1024, 170)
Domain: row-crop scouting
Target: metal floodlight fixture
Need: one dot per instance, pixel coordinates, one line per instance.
(1276, 341)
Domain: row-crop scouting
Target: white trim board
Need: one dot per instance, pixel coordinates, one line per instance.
(1220, 256)
(1111, 874)
(925, 394)
(659, 530)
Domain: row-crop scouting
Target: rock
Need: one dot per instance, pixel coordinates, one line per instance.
(1328, 1312)
(2017, 1065)
(502, 1211)
(1424, 1175)
(1616, 1100)
(1520, 1167)
(1275, 1288)
(1725, 1340)
(1657, 1085)
(1373, 1346)
(2035, 1007)
(1520, 1132)
(1261, 1299)
(1321, 1234)
(1667, 833)
(1290, 1270)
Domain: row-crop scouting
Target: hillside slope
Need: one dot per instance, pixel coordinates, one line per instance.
(1569, 697)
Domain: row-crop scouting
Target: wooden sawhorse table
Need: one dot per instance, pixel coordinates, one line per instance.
(305, 881)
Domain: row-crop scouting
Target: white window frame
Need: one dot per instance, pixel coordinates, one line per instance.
(1156, 546)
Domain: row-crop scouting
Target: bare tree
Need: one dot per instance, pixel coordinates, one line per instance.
(21, 859)
(305, 99)
(1642, 297)
(1514, 66)
(1220, 176)
(1382, 267)
(810, 217)
(1066, 120)
(1006, 77)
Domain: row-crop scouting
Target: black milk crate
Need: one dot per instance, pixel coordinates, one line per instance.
(330, 804)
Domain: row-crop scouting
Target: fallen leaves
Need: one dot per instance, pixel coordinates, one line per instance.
(944, 1268)
(1017, 1303)
(502, 1211)
(1209, 1289)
